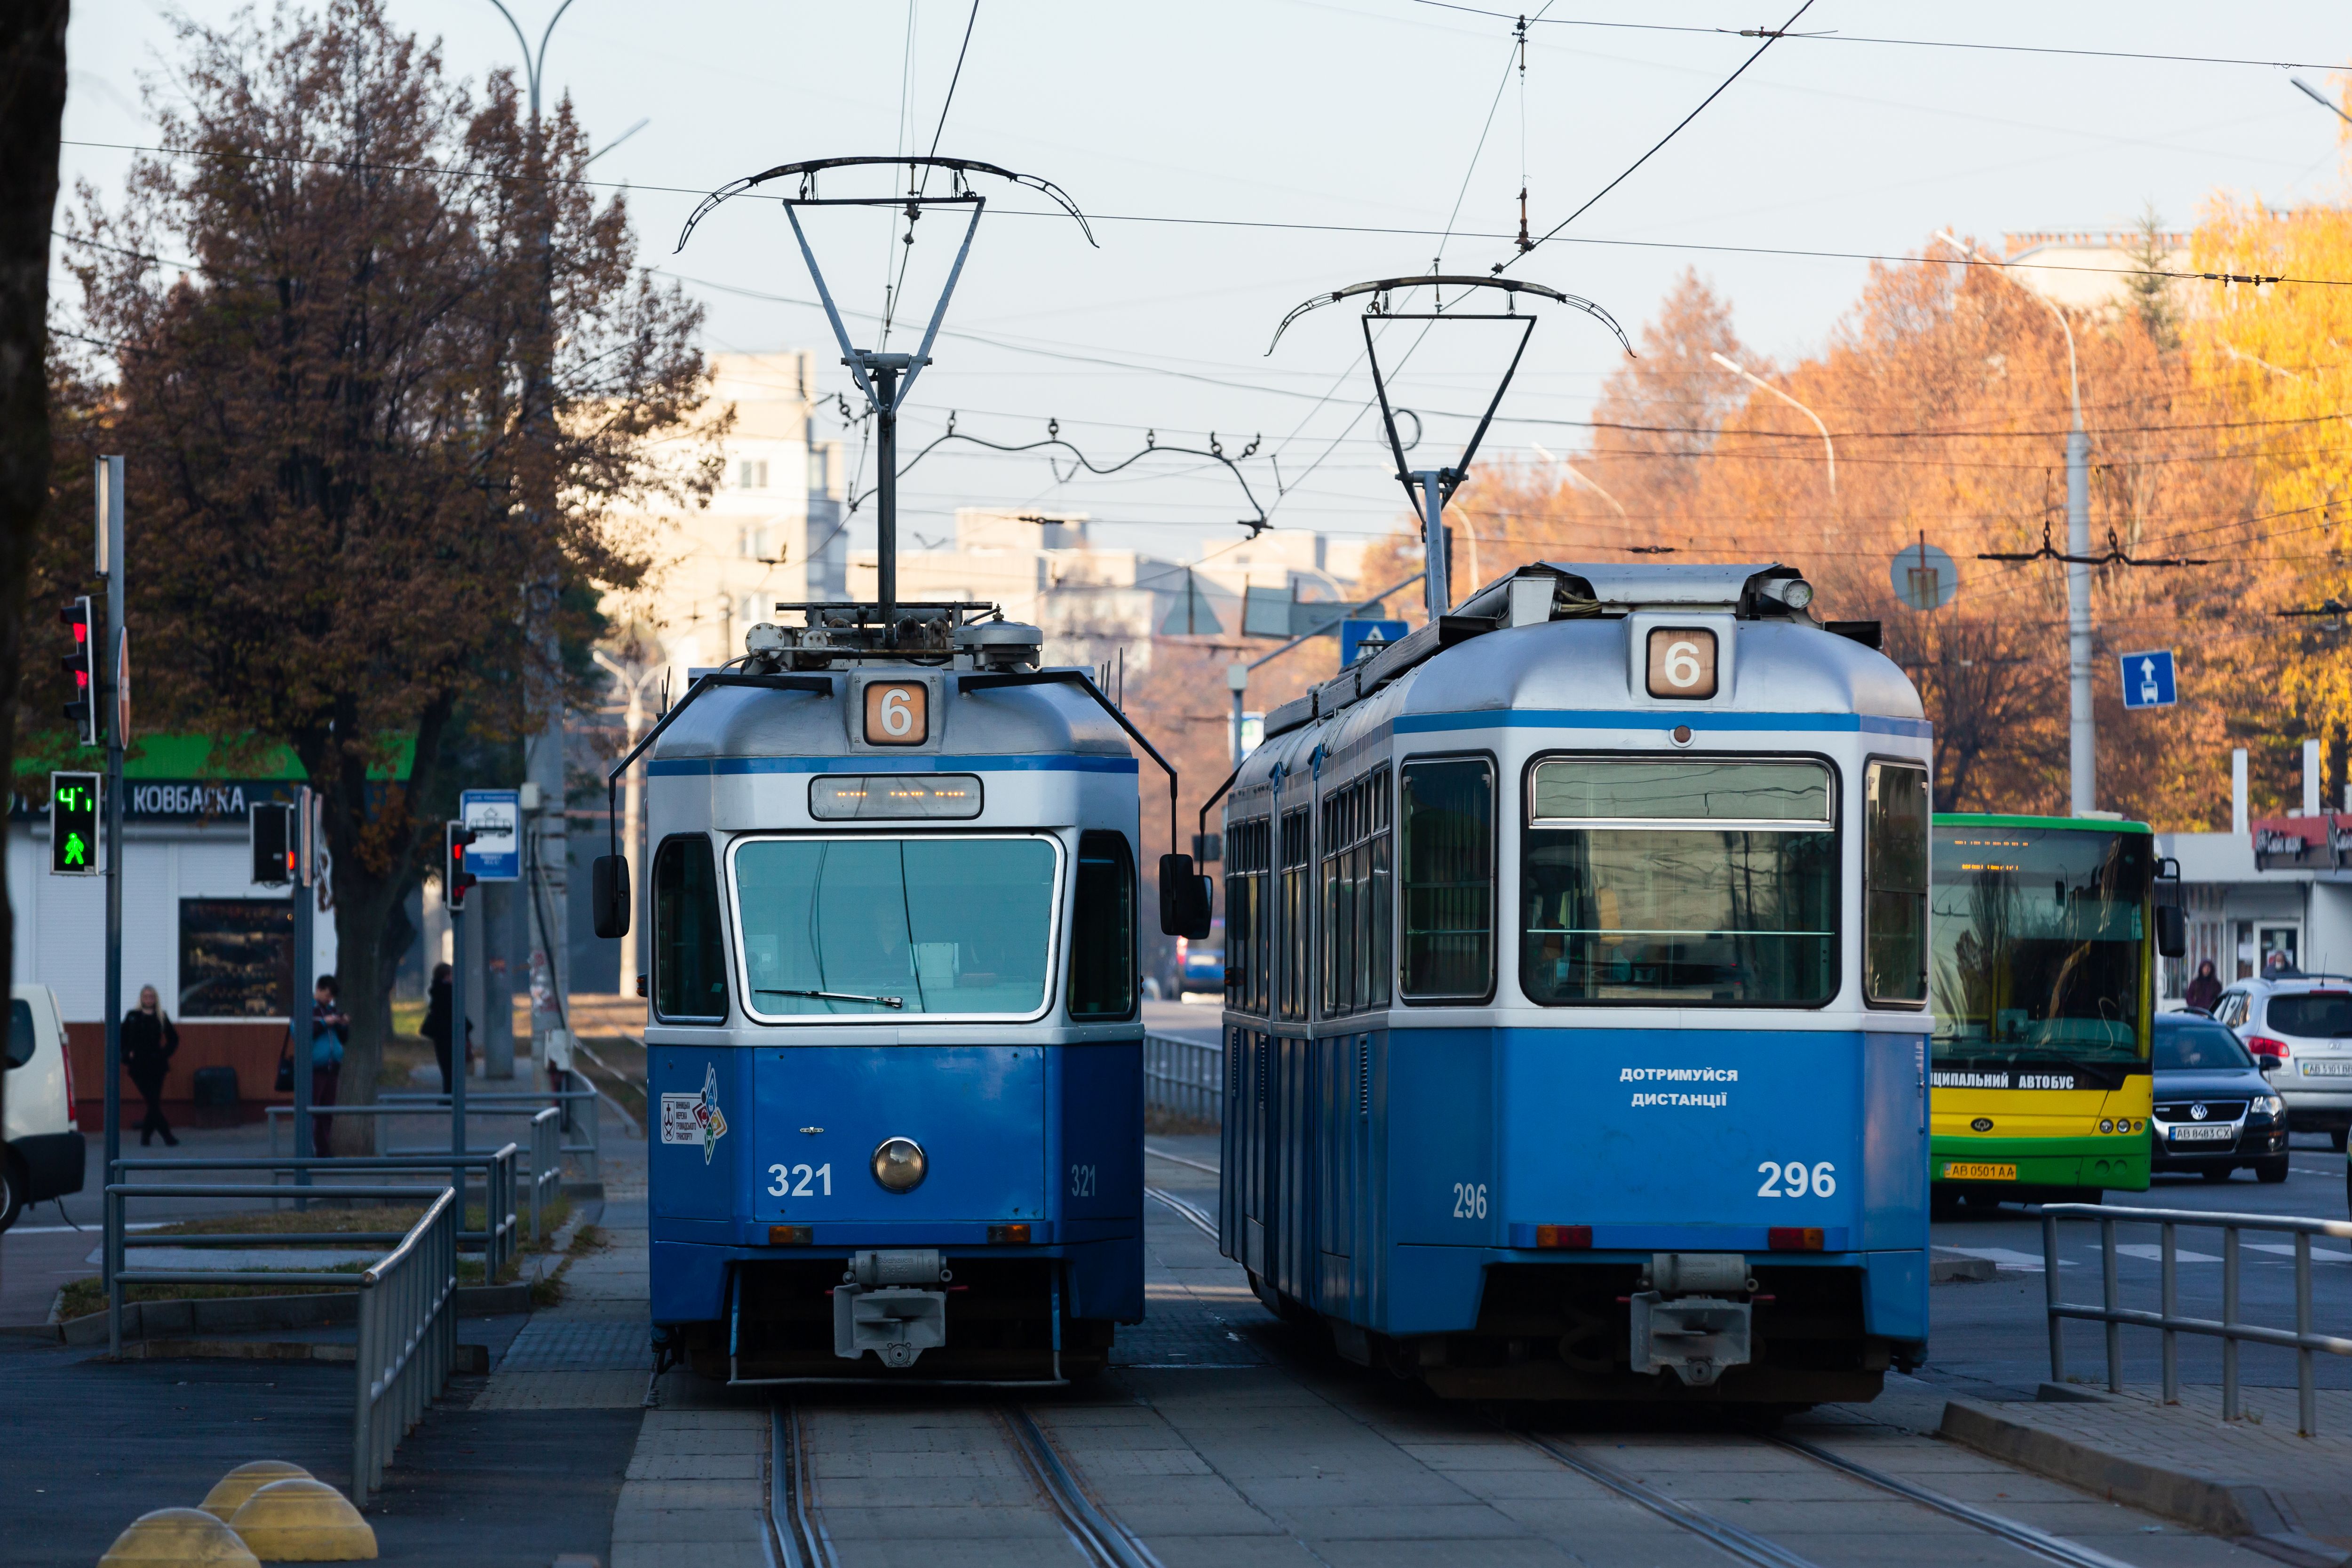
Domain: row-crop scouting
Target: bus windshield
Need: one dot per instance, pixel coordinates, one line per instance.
(2039, 944)
(895, 928)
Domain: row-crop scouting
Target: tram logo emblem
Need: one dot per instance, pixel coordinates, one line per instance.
(695, 1118)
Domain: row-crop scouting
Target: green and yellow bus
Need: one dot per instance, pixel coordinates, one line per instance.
(2043, 985)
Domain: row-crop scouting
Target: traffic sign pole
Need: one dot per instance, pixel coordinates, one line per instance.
(298, 1017)
(110, 566)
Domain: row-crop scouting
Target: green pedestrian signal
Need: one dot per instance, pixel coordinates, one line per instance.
(73, 824)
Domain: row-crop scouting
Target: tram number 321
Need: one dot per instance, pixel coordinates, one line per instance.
(792, 1181)
(1794, 1181)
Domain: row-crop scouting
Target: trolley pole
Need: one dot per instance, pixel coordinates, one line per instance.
(1437, 573)
(2082, 726)
(883, 370)
(110, 566)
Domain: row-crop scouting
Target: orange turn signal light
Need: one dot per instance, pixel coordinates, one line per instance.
(790, 1234)
(1008, 1236)
(1575, 1236)
(1794, 1238)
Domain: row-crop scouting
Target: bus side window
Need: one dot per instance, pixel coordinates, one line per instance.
(1895, 885)
(689, 950)
(1102, 932)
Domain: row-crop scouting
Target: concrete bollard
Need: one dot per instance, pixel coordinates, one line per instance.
(303, 1521)
(179, 1538)
(228, 1493)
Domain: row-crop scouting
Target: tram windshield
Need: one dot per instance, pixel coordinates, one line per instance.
(890, 928)
(1693, 883)
(2040, 944)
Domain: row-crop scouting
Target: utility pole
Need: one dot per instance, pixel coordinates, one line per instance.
(546, 888)
(632, 796)
(113, 707)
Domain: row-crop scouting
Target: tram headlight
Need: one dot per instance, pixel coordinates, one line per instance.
(901, 1164)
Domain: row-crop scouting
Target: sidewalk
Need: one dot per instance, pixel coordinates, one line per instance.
(2253, 1479)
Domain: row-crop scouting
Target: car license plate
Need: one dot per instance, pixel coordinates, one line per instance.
(2203, 1134)
(2313, 1067)
(1967, 1170)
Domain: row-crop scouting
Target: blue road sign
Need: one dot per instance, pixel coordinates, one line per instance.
(1356, 635)
(496, 817)
(2147, 680)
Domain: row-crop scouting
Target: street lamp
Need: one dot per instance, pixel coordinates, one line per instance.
(1827, 445)
(2082, 732)
(1577, 477)
(633, 683)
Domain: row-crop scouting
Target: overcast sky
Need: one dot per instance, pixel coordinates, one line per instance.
(1360, 114)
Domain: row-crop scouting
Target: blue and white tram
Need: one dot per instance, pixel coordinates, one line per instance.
(1576, 1022)
(894, 1043)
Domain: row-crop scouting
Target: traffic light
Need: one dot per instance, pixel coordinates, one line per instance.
(271, 833)
(455, 878)
(73, 824)
(81, 667)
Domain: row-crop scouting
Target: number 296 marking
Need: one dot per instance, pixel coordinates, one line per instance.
(1469, 1200)
(1820, 1182)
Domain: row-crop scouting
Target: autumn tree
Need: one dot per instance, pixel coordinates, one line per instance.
(319, 318)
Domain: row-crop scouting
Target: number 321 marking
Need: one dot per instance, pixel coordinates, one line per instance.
(786, 1175)
(1821, 1182)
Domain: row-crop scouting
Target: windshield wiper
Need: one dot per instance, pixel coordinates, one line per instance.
(832, 996)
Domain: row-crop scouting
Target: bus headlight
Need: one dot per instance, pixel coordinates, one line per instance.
(2107, 1126)
(899, 1164)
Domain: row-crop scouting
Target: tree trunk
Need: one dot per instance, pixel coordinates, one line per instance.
(32, 105)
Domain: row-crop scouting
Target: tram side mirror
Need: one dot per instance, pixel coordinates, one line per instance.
(2171, 930)
(608, 894)
(1185, 899)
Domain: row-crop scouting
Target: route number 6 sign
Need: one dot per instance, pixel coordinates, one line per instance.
(1682, 662)
(898, 713)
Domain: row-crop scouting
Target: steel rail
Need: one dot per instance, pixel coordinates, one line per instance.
(1731, 1538)
(2015, 1531)
(1185, 1211)
(1097, 1534)
(799, 1541)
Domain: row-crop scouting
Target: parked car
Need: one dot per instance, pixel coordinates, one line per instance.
(41, 1149)
(1200, 965)
(2306, 1021)
(2215, 1111)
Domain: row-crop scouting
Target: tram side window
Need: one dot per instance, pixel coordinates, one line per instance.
(1245, 915)
(1102, 937)
(1895, 879)
(689, 952)
(1295, 892)
(1355, 948)
(1446, 812)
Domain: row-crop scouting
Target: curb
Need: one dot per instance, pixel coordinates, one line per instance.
(1959, 1270)
(152, 1319)
(470, 1358)
(2244, 1512)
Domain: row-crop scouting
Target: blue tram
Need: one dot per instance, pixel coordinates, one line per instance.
(894, 1049)
(1576, 1022)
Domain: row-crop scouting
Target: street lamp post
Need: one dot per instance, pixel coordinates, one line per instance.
(2082, 727)
(1827, 445)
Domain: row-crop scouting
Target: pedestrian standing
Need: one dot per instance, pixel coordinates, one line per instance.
(149, 1044)
(330, 1031)
(435, 1026)
(2205, 990)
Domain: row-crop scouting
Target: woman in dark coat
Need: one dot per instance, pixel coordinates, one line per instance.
(149, 1043)
(435, 1026)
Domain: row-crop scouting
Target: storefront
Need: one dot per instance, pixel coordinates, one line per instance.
(217, 947)
(2280, 892)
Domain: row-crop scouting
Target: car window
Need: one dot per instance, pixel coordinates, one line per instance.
(2183, 1047)
(2318, 1014)
(21, 1044)
(2231, 1008)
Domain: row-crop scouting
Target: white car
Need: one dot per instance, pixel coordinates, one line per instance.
(2306, 1021)
(41, 1149)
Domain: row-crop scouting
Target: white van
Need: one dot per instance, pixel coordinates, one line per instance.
(41, 1149)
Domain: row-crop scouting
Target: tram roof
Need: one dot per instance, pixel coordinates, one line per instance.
(1033, 721)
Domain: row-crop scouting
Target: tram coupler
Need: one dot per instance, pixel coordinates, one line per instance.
(1681, 1324)
(892, 1301)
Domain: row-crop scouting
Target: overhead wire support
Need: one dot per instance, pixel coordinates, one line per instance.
(1153, 445)
(2114, 555)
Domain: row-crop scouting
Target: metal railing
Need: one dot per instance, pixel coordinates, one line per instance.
(579, 1108)
(1184, 1078)
(498, 1240)
(2228, 1328)
(544, 1158)
(407, 1339)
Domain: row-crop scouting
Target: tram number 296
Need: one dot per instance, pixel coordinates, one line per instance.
(792, 1181)
(1796, 1180)
(1469, 1200)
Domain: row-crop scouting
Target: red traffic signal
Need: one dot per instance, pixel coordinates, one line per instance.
(81, 667)
(455, 880)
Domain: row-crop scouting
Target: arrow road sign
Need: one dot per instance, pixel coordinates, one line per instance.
(2147, 680)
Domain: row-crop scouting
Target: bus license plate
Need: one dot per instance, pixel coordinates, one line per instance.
(2203, 1134)
(2312, 1068)
(1965, 1171)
